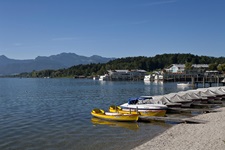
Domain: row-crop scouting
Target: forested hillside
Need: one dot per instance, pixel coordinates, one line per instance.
(157, 62)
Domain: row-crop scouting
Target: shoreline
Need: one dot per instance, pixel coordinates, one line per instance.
(208, 136)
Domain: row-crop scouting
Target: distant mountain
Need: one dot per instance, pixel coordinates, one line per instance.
(64, 60)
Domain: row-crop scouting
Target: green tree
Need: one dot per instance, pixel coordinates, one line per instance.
(188, 66)
(213, 66)
(221, 67)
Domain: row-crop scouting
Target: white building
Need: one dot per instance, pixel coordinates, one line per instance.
(179, 68)
(126, 74)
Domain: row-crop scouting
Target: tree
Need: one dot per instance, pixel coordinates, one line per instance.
(221, 67)
(213, 66)
(188, 66)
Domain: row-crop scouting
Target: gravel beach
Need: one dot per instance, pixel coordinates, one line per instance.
(208, 136)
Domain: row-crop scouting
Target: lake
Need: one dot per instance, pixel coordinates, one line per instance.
(55, 114)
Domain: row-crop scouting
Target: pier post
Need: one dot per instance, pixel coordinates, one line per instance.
(203, 82)
(193, 81)
(218, 80)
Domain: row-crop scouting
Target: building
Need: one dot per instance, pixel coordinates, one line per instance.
(180, 68)
(126, 74)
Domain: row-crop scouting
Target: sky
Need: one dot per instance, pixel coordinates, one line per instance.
(111, 28)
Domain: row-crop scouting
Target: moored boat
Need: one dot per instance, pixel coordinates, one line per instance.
(145, 109)
(114, 116)
(184, 84)
(157, 112)
(148, 78)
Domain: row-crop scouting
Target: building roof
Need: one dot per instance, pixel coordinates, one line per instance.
(135, 70)
(182, 66)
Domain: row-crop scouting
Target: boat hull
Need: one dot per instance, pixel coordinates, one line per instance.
(144, 106)
(98, 113)
(158, 112)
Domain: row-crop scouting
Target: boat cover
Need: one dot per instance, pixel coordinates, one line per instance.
(133, 100)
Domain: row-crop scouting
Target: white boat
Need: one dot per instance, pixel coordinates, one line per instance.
(95, 78)
(104, 77)
(175, 98)
(187, 95)
(135, 103)
(223, 81)
(147, 78)
(184, 84)
(161, 99)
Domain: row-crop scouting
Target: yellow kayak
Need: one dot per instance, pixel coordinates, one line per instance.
(113, 116)
(159, 113)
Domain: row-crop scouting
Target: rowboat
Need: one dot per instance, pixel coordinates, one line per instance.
(113, 116)
(152, 112)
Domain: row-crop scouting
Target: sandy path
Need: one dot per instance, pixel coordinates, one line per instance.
(208, 136)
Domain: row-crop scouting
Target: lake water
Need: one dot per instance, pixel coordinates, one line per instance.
(54, 114)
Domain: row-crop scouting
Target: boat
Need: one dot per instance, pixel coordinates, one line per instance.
(175, 98)
(223, 81)
(186, 95)
(104, 77)
(145, 109)
(184, 84)
(147, 78)
(161, 99)
(95, 78)
(114, 116)
(158, 112)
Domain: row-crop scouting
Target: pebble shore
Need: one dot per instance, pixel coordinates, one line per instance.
(207, 136)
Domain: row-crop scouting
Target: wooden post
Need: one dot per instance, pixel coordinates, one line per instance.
(203, 82)
(193, 81)
(218, 80)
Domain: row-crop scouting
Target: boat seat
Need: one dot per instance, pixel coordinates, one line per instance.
(112, 114)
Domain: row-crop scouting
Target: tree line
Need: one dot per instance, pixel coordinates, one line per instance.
(149, 64)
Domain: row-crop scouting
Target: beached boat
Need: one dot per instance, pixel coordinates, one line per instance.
(186, 95)
(158, 112)
(175, 98)
(99, 113)
(145, 109)
(219, 91)
(210, 95)
(161, 99)
(137, 103)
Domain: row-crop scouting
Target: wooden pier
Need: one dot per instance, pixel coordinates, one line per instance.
(195, 79)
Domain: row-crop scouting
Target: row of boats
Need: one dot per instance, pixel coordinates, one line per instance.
(158, 105)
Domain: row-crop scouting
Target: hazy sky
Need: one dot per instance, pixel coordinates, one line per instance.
(111, 28)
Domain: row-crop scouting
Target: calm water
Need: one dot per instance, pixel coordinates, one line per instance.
(55, 114)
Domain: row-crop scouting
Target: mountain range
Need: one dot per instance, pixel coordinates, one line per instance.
(64, 60)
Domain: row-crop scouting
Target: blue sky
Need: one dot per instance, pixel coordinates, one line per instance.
(111, 28)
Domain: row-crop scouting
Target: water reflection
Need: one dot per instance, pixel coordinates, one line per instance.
(127, 125)
(153, 82)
